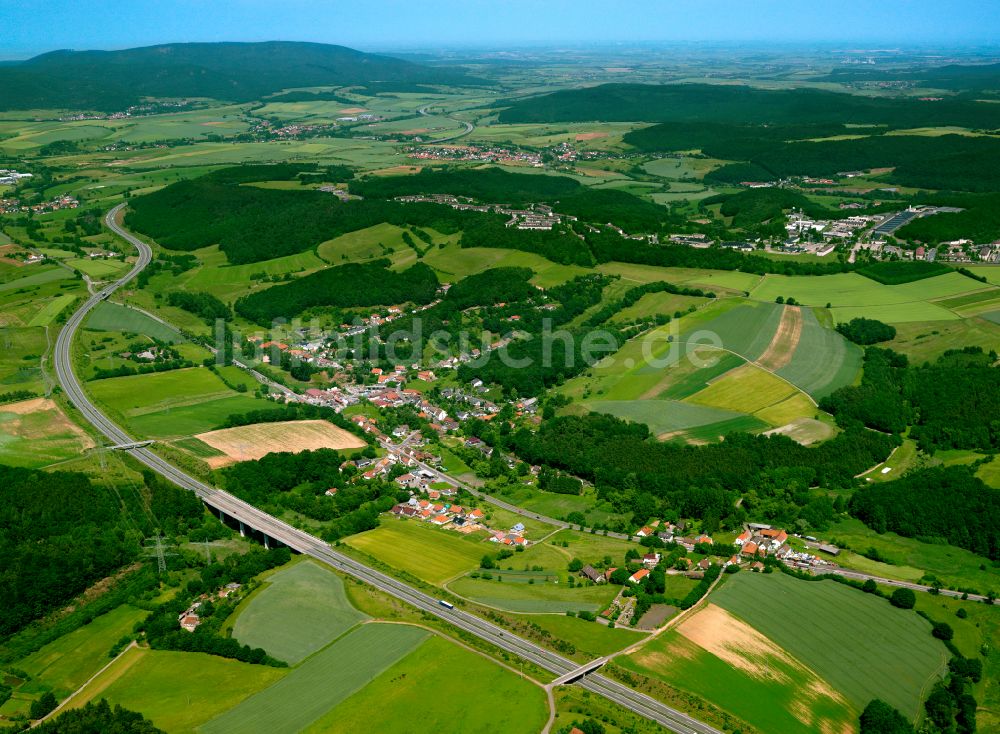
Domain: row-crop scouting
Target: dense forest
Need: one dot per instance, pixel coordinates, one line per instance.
(490, 287)
(950, 404)
(867, 331)
(490, 185)
(743, 105)
(61, 540)
(251, 224)
(980, 220)
(646, 477)
(343, 286)
(940, 502)
(203, 305)
(890, 272)
(496, 186)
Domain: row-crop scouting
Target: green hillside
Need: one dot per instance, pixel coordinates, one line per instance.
(235, 72)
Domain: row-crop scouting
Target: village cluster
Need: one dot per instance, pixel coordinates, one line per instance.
(13, 206)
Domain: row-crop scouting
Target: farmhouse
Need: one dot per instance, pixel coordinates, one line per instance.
(589, 572)
(638, 576)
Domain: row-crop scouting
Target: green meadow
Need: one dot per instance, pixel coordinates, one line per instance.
(323, 681)
(429, 553)
(67, 663)
(178, 691)
(114, 317)
(530, 593)
(479, 696)
(172, 404)
(301, 609)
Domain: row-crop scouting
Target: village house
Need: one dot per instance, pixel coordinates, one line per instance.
(651, 560)
(638, 576)
(590, 573)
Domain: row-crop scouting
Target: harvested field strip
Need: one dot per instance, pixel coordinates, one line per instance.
(785, 341)
(247, 443)
(823, 361)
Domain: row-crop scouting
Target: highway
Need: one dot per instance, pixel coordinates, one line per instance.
(469, 127)
(298, 540)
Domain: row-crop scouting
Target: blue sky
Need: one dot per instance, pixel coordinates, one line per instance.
(33, 26)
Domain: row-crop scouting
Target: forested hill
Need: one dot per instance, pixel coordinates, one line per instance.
(743, 105)
(234, 72)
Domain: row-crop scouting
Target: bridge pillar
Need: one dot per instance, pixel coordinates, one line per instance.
(243, 532)
(267, 543)
(222, 517)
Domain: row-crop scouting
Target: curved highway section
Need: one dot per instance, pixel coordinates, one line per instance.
(228, 505)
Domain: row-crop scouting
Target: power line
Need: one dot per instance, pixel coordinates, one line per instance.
(159, 550)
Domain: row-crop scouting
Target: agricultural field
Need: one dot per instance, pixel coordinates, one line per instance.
(248, 443)
(532, 593)
(67, 663)
(36, 433)
(750, 389)
(323, 681)
(431, 554)
(729, 280)
(858, 643)
(301, 609)
(822, 360)
(502, 700)
(51, 309)
(809, 658)
(21, 350)
(36, 278)
(691, 379)
(98, 269)
(169, 687)
(731, 665)
(172, 404)
(113, 317)
(851, 295)
(559, 506)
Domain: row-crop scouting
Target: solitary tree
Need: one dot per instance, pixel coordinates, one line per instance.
(903, 598)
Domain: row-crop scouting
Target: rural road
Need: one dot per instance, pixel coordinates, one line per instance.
(228, 505)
